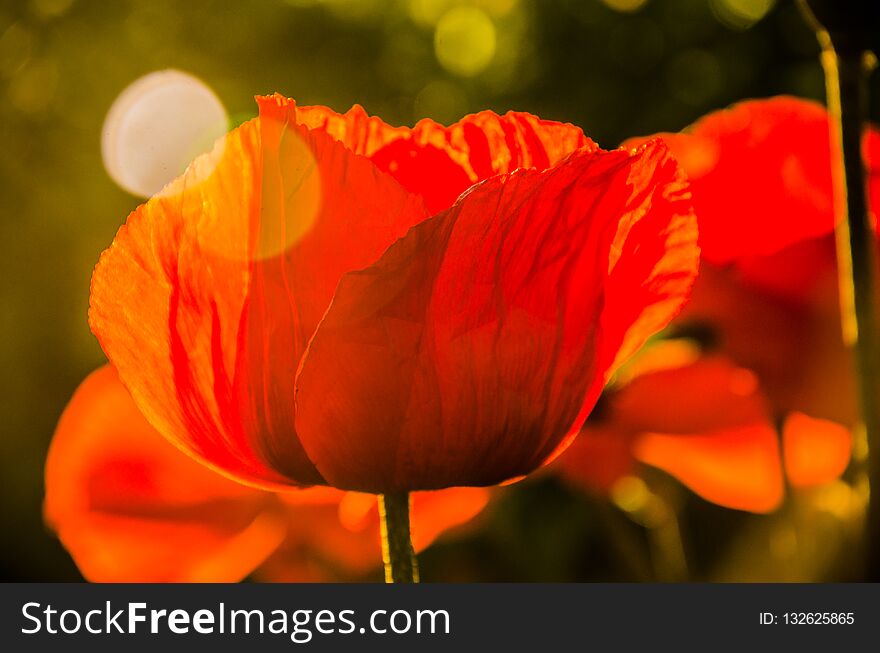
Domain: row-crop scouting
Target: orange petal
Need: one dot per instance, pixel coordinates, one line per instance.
(129, 507)
(478, 342)
(319, 546)
(761, 176)
(709, 394)
(442, 162)
(737, 468)
(815, 451)
(434, 513)
(207, 298)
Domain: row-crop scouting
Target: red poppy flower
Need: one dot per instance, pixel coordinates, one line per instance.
(290, 313)
(131, 508)
(765, 306)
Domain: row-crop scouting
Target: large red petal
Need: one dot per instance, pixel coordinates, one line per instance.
(131, 508)
(210, 292)
(478, 342)
(761, 175)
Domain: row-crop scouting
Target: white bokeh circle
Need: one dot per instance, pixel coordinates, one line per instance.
(156, 126)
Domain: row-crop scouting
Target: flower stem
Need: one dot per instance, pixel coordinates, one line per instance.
(846, 81)
(397, 548)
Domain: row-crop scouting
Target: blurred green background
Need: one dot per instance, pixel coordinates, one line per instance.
(617, 68)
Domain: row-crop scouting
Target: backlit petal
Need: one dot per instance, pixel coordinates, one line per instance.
(478, 342)
(129, 507)
(442, 162)
(708, 395)
(208, 296)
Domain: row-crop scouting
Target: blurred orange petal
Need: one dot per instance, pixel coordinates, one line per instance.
(815, 451)
(318, 546)
(692, 404)
(129, 507)
(433, 513)
(736, 468)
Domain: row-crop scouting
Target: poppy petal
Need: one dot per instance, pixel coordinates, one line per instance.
(478, 342)
(129, 507)
(804, 273)
(737, 468)
(815, 451)
(761, 175)
(768, 331)
(210, 292)
(597, 458)
(475, 148)
(434, 513)
(709, 394)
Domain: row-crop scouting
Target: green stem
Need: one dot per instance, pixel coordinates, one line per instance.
(397, 548)
(846, 81)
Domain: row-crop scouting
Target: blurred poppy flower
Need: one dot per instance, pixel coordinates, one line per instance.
(129, 507)
(289, 311)
(705, 421)
(767, 295)
(764, 311)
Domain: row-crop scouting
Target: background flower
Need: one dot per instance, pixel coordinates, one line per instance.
(765, 396)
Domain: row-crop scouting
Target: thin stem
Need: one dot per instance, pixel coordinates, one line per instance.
(846, 80)
(397, 548)
(665, 536)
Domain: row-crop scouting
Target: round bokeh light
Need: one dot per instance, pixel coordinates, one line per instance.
(157, 126)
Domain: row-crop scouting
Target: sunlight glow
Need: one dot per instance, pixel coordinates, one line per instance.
(740, 14)
(627, 6)
(157, 126)
(465, 41)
